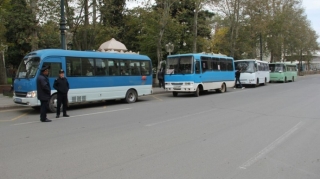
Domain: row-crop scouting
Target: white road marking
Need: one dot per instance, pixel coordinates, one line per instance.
(153, 124)
(90, 114)
(26, 123)
(271, 146)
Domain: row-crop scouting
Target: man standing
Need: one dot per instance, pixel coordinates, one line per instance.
(61, 84)
(237, 74)
(44, 92)
(161, 79)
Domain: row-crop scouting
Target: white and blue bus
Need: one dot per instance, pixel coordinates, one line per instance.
(194, 73)
(93, 76)
(253, 72)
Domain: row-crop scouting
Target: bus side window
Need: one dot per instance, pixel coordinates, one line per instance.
(223, 64)
(54, 69)
(145, 68)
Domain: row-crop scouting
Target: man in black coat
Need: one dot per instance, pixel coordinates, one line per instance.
(161, 78)
(44, 92)
(237, 75)
(61, 84)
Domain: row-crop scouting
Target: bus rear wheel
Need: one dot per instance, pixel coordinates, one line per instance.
(131, 96)
(223, 88)
(175, 94)
(197, 92)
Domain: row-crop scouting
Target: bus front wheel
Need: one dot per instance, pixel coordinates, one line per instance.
(52, 103)
(131, 96)
(175, 94)
(197, 92)
(257, 84)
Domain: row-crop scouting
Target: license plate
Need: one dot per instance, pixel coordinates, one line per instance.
(18, 100)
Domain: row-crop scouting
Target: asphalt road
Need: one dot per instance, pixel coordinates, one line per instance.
(266, 132)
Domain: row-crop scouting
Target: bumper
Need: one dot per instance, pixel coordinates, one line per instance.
(26, 101)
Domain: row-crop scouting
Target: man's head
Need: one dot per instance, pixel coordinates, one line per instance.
(45, 70)
(61, 73)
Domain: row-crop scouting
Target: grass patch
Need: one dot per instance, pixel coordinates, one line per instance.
(9, 81)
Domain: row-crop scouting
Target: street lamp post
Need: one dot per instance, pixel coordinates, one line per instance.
(169, 48)
(63, 26)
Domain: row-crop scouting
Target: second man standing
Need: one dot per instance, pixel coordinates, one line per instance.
(61, 84)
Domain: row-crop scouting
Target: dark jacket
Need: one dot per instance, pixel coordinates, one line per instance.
(43, 88)
(238, 74)
(160, 75)
(61, 85)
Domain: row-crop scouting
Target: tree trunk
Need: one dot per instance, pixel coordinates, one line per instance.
(3, 74)
(86, 24)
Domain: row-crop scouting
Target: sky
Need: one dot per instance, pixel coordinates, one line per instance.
(312, 8)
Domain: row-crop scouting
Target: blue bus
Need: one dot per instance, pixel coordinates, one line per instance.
(194, 73)
(93, 76)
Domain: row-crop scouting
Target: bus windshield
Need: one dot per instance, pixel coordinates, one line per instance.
(246, 66)
(276, 67)
(180, 65)
(28, 67)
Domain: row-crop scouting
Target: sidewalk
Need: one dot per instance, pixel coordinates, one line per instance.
(7, 102)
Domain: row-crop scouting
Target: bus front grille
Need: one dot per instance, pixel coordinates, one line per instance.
(21, 94)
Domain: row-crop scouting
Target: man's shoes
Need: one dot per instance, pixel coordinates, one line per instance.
(234, 88)
(46, 120)
(66, 115)
(243, 87)
(57, 116)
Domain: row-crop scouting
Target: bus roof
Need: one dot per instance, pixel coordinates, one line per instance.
(86, 54)
(285, 63)
(250, 60)
(201, 55)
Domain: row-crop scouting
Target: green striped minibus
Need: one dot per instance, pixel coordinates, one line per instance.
(283, 72)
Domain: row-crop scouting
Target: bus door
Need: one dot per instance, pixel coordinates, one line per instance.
(197, 70)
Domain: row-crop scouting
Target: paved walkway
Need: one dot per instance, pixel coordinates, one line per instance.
(7, 102)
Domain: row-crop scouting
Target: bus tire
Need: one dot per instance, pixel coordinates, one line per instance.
(131, 96)
(285, 80)
(175, 94)
(265, 82)
(51, 106)
(197, 92)
(257, 84)
(223, 88)
(293, 79)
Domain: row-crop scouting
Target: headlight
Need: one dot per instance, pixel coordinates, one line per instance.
(251, 80)
(32, 94)
(188, 83)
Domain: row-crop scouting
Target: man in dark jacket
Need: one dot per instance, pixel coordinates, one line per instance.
(61, 84)
(237, 75)
(161, 78)
(44, 92)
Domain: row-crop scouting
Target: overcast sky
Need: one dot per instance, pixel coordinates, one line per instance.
(313, 12)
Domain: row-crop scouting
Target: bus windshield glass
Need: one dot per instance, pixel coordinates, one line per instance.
(180, 65)
(28, 67)
(276, 67)
(246, 66)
